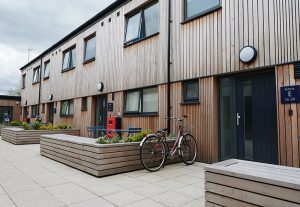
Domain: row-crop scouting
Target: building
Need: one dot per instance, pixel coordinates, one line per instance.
(222, 62)
(10, 108)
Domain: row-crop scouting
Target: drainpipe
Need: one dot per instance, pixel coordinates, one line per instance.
(40, 85)
(169, 67)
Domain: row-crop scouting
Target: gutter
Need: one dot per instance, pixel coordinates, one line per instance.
(40, 85)
(169, 68)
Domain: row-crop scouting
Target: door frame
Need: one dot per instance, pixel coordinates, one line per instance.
(234, 76)
(98, 99)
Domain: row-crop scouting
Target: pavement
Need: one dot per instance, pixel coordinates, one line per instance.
(30, 180)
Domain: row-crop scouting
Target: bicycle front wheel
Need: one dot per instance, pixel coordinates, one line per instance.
(153, 153)
(188, 149)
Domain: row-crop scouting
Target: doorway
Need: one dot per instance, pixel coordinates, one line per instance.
(101, 112)
(248, 118)
(51, 113)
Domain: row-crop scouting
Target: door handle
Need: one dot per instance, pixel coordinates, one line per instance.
(238, 117)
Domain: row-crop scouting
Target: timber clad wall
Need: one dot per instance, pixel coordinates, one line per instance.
(16, 108)
(288, 126)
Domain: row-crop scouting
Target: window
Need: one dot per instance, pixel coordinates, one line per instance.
(90, 48)
(84, 103)
(194, 8)
(34, 111)
(191, 91)
(23, 81)
(67, 108)
(143, 23)
(143, 101)
(69, 59)
(36, 75)
(47, 70)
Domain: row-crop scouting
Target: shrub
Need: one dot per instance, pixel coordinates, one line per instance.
(26, 126)
(36, 125)
(63, 126)
(15, 123)
(47, 127)
(125, 139)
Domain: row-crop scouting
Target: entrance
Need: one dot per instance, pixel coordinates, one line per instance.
(6, 114)
(51, 113)
(248, 118)
(101, 112)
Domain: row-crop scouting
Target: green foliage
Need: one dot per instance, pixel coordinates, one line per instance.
(102, 141)
(140, 136)
(63, 126)
(15, 123)
(125, 139)
(36, 125)
(26, 126)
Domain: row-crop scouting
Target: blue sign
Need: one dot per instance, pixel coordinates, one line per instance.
(290, 94)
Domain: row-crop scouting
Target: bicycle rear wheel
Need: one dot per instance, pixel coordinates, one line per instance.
(153, 153)
(188, 149)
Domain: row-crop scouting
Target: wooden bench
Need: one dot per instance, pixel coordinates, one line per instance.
(88, 156)
(239, 183)
(20, 136)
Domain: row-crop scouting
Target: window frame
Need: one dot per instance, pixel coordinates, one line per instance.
(142, 35)
(39, 75)
(184, 92)
(69, 50)
(37, 111)
(45, 64)
(203, 13)
(85, 46)
(24, 81)
(69, 104)
(140, 111)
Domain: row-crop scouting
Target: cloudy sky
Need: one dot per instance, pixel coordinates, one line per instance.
(37, 25)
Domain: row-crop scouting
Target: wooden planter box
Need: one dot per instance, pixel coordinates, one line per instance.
(19, 136)
(3, 126)
(88, 156)
(244, 183)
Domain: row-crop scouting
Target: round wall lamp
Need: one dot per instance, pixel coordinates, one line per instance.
(248, 54)
(100, 86)
(50, 97)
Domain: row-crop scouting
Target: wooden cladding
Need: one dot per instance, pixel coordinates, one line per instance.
(288, 120)
(202, 121)
(211, 44)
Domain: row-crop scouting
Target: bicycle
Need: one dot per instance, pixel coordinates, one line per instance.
(154, 149)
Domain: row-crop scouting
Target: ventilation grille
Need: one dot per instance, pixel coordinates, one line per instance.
(297, 70)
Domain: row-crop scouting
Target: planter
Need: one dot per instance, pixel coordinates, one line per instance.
(244, 183)
(4, 126)
(19, 136)
(88, 156)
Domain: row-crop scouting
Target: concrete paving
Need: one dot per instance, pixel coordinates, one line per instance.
(30, 180)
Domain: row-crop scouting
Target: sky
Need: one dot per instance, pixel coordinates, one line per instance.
(37, 25)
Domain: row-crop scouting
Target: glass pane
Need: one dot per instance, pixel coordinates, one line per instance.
(194, 7)
(133, 102)
(71, 107)
(66, 60)
(23, 81)
(34, 76)
(90, 50)
(150, 100)
(151, 20)
(192, 91)
(73, 58)
(228, 147)
(64, 108)
(248, 120)
(47, 70)
(133, 27)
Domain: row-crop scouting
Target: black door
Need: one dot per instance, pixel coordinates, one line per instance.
(250, 107)
(101, 111)
(51, 113)
(6, 114)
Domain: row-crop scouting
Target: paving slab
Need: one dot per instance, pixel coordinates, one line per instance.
(30, 180)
